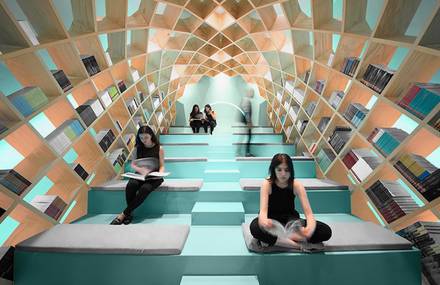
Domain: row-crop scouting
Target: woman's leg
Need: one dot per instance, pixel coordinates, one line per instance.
(212, 125)
(130, 190)
(191, 124)
(322, 232)
(145, 190)
(263, 235)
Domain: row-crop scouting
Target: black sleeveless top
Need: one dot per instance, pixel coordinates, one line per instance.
(209, 117)
(144, 152)
(281, 205)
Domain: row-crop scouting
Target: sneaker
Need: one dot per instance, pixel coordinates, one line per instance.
(127, 220)
(249, 155)
(116, 221)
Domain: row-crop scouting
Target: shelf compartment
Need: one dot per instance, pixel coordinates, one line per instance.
(273, 17)
(336, 83)
(80, 19)
(39, 17)
(402, 21)
(325, 48)
(237, 8)
(176, 41)
(138, 64)
(119, 114)
(220, 19)
(187, 22)
(105, 173)
(299, 16)
(11, 37)
(357, 94)
(324, 156)
(311, 137)
(110, 14)
(165, 16)
(349, 47)
(201, 9)
(322, 110)
(319, 77)
(361, 16)
(303, 43)
(143, 14)
(91, 46)
(234, 32)
(78, 207)
(252, 23)
(310, 102)
(431, 38)
(124, 76)
(327, 15)
(338, 134)
(303, 68)
(84, 152)
(137, 42)
(9, 118)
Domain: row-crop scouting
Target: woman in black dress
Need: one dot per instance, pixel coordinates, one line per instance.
(196, 119)
(210, 119)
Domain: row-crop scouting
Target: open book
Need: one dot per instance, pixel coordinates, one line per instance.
(279, 230)
(151, 175)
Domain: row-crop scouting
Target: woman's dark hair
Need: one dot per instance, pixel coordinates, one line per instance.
(207, 105)
(278, 159)
(193, 112)
(146, 130)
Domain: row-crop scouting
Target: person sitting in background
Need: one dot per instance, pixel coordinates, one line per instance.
(196, 119)
(210, 119)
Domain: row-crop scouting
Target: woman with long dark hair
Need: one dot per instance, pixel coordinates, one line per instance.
(136, 191)
(277, 202)
(210, 119)
(196, 119)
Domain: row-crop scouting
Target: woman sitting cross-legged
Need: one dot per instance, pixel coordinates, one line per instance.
(136, 191)
(277, 202)
(196, 119)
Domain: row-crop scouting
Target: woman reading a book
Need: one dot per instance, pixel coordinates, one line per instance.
(211, 119)
(136, 191)
(196, 119)
(277, 204)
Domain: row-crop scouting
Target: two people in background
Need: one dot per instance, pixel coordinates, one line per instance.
(197, 119)
(136, 191)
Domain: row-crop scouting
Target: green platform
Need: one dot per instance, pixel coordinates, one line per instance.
(217, 213)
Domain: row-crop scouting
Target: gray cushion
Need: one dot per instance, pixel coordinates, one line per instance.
(346, 236)
(168, 185)
(108, 239)
(185, 159)
(309, 184)
(269, 158)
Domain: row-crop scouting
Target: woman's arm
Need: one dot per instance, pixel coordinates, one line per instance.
(213, 115)
(161, 160)
(141, 170)
(264, 201)
(300, 191)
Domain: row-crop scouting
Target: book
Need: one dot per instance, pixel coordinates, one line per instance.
(151, 175)
(286, 231)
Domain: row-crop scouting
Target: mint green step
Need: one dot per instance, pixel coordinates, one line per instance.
(265, 149)
(219, 280)
(217, 213)
(187, 150)
(220, 139)
(221, 175)
(221, 164)
(254, 129)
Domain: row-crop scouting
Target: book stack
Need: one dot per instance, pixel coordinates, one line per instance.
(293, 112)
(130, 140)
(435, 122)
(298, 94)
(132, 105)
(133, 74)
(323, 122)
(301, 125)
(121, 86)
(117, 158)
(306, 76)
(90, 64)
(355, 113)
(2, 128)
(319, 85)
(89, 111)
(421, 99)
(13, 181)
(310, 108)
(336, 98)
(387, 139)
(113, 92)
(377, 77)
(51, 205)
(62, 79)
(361, 162)
(81, 171)
(108, 58)
(426, 237)
(105, 98)
(391, 199)
(424, 176)
(325, 157)
(6, 263)
(61, 138)
(339, 138)
(105, 138)
(349, 66)
(28, 99)
(140, 97)
(156, 102)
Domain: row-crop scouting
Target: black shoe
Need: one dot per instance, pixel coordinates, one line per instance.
(116, 221)
(127, 220)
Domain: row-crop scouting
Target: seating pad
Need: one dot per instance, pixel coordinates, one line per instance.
(267, 158)
(140, 239)
(346, 236)
(185, 159)
(169, 185)
(254, 184)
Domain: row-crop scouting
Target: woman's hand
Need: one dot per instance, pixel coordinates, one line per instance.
(307, 232)
(144, 171)
(265, 223)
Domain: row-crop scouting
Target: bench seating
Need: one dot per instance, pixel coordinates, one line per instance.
(254, 184)
(139, 239)
(346, 236)
(169, 185)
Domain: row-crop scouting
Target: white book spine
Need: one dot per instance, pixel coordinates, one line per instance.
(108, 59)
(29, 31)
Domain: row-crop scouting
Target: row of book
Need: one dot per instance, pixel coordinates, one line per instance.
(421, 99)
(319, 86)
(339, 137)
(105, 138)
(306, 76)
(301, 125)
(90, 64)
(336, 98)
(355, 113)
(51, 205)
(62, 79)
(361, 162)
(62, 137)
(293, 112)
(298, 94)
(90, 111)
(121, 85)
(323, 122)
(80, 171)
(435, 122)
(108, 95)
(426, 237)
(6, 263)
(117, 158)
(422, 174)
(387, 139)
(3, 128)
(28, 99)
(310, 108)
(377, 77)
(324, 158)
(391, 199)
(14, 181)
(132, 105)
(350, 65)
(130, 140)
